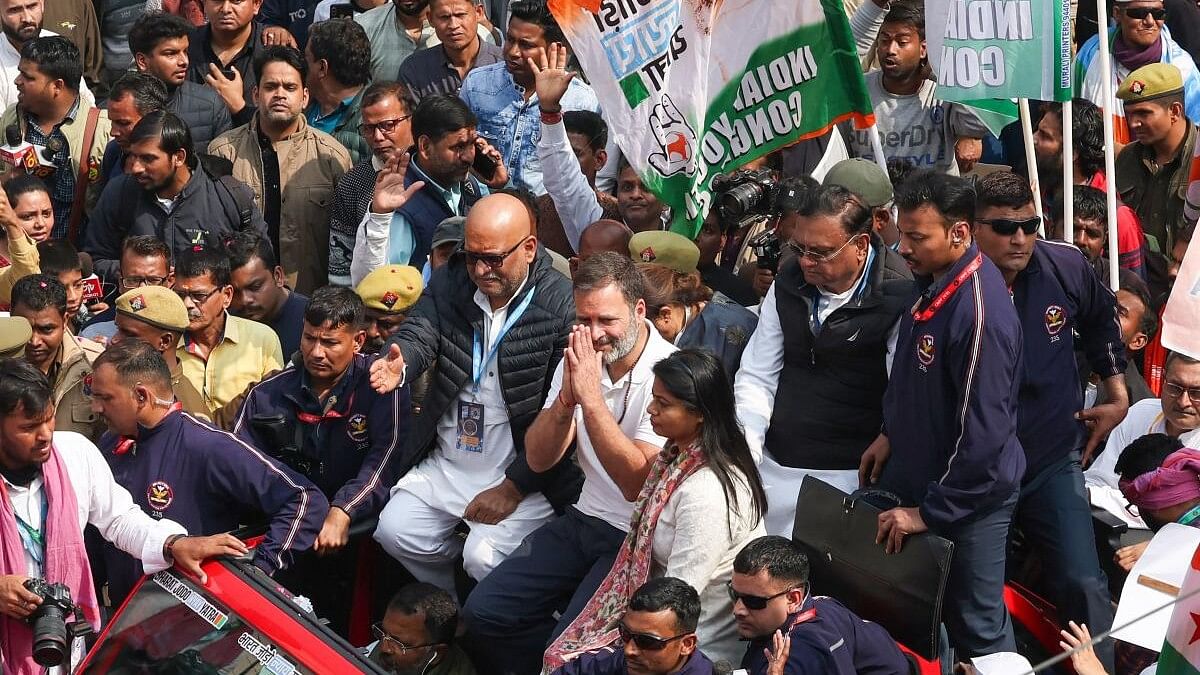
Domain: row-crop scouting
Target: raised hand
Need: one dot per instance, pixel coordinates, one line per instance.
(390, 193)
(550, 76)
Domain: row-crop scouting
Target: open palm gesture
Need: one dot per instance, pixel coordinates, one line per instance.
(551, 77)
(390, 193)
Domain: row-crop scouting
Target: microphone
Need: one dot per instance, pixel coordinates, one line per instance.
(92, 288)
(16, 152)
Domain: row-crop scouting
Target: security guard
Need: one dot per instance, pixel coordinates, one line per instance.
(950, 410)
(65, 359)
(388, 293)
(180, 468)
(15, 332)
(321, 417)
(668, 249)
(1060, 301)
(156, 316)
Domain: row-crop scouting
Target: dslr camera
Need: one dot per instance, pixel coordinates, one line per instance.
(747, 195)
(52, 633)
(283, 443)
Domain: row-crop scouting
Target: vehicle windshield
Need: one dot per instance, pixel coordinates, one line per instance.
(170, 626)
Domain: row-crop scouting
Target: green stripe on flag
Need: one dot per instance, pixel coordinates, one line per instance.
(995, 113)
(1171, 662)
(634, 89)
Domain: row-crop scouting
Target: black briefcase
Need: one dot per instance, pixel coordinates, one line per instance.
(901, 592)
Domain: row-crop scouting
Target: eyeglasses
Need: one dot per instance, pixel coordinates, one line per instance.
(1006, 227)
(754, 602)
(386, 126)
(383, 636)
(130, 283)
(1139, 13)
(645, 641)
(197, 297)
(1176, 390)
(819, 257)
(492, 260)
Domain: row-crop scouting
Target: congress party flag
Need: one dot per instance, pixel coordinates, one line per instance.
(695, 88)
(1181, 651)
(1000, 49)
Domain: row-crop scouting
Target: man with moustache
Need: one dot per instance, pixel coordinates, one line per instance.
(21, 21)
(950, 411)
(388, 293)
(291, 166)
(260, 292)
(599, 407)
(130, 99)
(494, 323)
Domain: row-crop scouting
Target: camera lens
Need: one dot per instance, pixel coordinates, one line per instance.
(740, 200)
(49, 635)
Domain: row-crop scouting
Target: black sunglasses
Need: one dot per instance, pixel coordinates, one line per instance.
(645, 641)
(1006, 227)
(754, 602)
(1158, 13)
(492, 260)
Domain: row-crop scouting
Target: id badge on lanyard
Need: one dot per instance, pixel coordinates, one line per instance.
(471, 413)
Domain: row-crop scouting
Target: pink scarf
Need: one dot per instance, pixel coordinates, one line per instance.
(1176, 482)
(66, 562)
(596, 625)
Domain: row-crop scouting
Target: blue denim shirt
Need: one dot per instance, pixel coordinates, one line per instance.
(513, 124)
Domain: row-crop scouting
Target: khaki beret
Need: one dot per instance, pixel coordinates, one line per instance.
(392, 288)
(1150, 82)
(155, 305)
(15, 333)
(665, 248)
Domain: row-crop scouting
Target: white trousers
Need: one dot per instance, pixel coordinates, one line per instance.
(417, 528)
(782, 485)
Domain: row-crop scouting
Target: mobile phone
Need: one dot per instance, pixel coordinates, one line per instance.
(341, 11)
(485, 166)
(227, 72)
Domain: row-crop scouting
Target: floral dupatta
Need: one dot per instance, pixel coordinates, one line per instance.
(596, 625)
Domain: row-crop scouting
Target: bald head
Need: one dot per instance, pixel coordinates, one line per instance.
(499, 246)
(604, 235)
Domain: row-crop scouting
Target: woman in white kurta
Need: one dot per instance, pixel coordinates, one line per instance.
(701, 503)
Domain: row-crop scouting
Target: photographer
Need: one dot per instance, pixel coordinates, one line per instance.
(52, 485)
(819, 357)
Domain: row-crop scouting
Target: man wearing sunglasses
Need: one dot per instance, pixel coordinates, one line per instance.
(657, 636)
(419, 187)
(1138, 39)
(810, 387)
(493, 324)
(772, 596)
(1062, 305)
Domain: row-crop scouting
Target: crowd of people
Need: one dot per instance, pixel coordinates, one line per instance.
(377, 269)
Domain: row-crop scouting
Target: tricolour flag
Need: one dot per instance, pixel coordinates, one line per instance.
(695, 88)
(1181, 651)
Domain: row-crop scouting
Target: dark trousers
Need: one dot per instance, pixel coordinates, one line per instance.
(974, 612)
(1055, 516)
(510, 614)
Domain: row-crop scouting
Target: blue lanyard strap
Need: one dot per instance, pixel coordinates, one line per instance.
(1190, 517)
(31, 538)
(478, 361)
(859, 289)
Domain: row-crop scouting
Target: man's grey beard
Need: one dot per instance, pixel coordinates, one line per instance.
(622, 347)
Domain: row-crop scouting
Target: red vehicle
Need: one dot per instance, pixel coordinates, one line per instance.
(239, 622)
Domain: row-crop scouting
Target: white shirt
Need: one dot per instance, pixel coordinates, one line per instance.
(1144, 417)
(573, 197)
(696, 539)
(10, 58)
(467, 472)
(600, 497)
(757, 378)
(102, 503)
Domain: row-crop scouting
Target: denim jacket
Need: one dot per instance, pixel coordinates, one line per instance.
(512, 124)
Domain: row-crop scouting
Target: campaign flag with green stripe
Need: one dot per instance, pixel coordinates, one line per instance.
(1181, 652)
(695, 88)
(1000, 49)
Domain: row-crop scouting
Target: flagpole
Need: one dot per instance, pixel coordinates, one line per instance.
(1068, 159)
(1030, 159)
(877, 147)
(1110, 171)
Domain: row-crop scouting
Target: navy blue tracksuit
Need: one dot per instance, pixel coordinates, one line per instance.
(210, 482)
(351, 441)
(828, 639)
(950, 413)
(1058, 296)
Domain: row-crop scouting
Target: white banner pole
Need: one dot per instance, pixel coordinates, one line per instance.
(1068, 158)
(1030, 159)
(1110, 151)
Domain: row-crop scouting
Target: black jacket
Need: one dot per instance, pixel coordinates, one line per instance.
(439, 332)
(202, 111)
(205, 212)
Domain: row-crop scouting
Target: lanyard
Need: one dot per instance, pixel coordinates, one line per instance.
(125, 444)
(944, 297)
(478, 361)
(1190, 517)
(31, 539)
(859, 287)
(327, 414)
